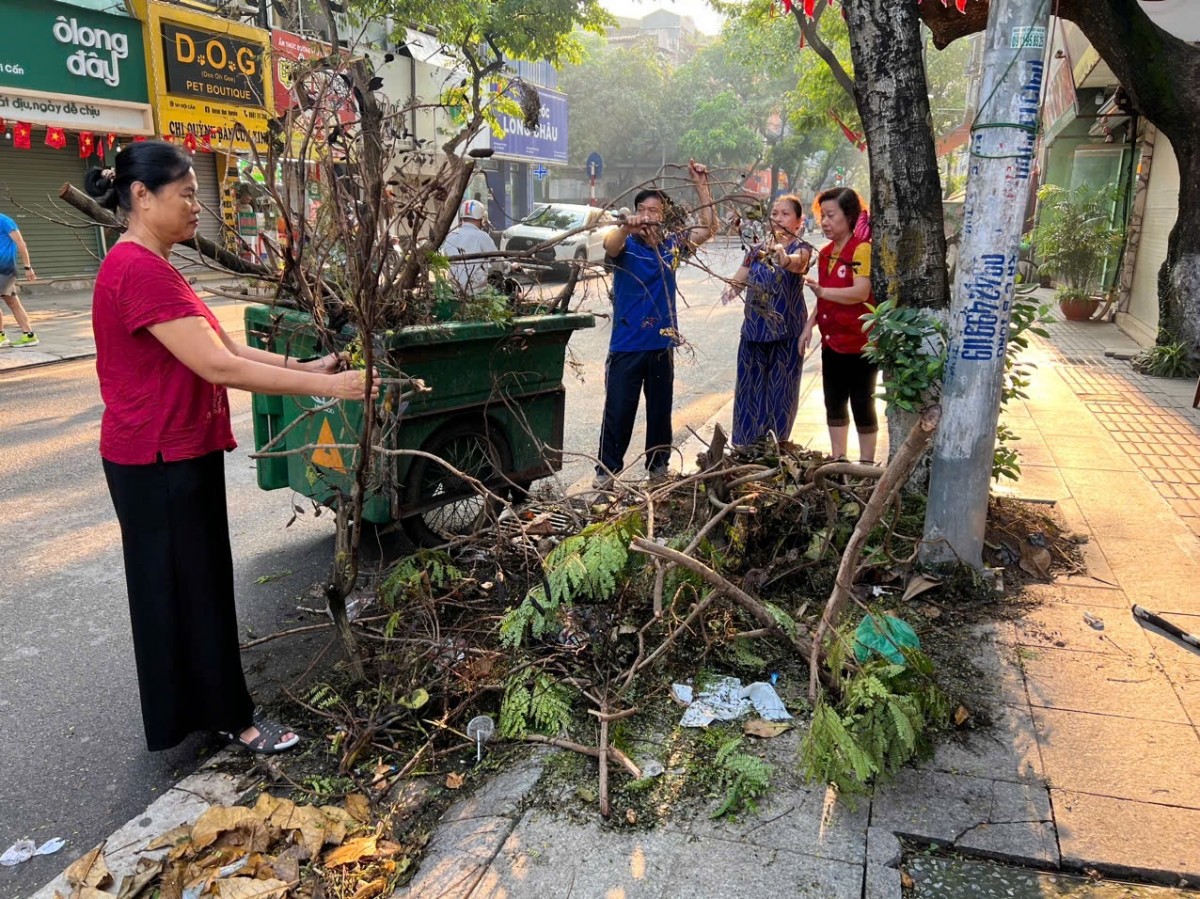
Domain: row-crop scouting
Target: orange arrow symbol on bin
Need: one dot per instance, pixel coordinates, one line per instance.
(328, 458)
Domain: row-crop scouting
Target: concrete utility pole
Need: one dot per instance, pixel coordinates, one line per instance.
(1002, 144)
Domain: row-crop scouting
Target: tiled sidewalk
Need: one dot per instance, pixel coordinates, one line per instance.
(1150, 418)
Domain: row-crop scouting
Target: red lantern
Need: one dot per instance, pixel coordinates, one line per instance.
(87, 144)
(56, 138)
(22, 135)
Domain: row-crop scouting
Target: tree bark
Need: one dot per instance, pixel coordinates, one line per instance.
(890, 90)
(1161, 74)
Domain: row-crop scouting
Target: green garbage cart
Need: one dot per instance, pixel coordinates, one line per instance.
(494, 411)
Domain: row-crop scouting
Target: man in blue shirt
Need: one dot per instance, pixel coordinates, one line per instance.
(10, 242)
(641, 348)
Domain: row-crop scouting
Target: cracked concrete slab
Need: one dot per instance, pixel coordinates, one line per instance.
(1124, 758)
(458, 856)
(502, 794)
(1005, 749)
(1143, 839)
(548, 856)
(703, 869)
(1005, 820)
(809, 820)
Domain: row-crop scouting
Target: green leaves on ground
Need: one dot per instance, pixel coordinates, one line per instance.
(882, 721)
(587, 565)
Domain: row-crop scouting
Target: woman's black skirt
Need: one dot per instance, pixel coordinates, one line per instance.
(179, 573)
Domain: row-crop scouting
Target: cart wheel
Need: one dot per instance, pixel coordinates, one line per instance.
(455, 509)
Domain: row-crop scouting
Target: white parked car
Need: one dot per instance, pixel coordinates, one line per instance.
(550, 220)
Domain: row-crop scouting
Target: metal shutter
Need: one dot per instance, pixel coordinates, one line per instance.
(208, 192)
(29, 184)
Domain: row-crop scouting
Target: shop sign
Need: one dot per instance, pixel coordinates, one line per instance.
(76, 113)
(546, 143)
(212, 66)
(69, 67)
(209, 74)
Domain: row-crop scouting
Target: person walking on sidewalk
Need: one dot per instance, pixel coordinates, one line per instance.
(770, 353)
(843, 289)
(641, 348)
(164, 365)
(11, 242)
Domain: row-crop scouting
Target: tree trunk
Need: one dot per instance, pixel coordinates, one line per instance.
(1161, 74)
(1179, 277)
(908, 262)
(908, 237)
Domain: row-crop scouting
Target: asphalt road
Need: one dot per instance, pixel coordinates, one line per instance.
(73, 763)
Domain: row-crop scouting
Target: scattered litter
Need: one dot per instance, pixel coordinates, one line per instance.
(898, 636)
(1095, 621)
(20, 851)
(725, 699)
(652, 768)
(480, 729)
(24, 850)
(50, 847)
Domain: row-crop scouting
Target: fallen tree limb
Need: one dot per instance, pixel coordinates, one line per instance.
(73, 196)
(721, 585)
(625, 761)
(894, 478)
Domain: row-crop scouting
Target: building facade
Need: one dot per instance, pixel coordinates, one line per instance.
(73, 89)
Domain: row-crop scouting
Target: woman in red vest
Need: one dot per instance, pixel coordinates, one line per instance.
(843, 289)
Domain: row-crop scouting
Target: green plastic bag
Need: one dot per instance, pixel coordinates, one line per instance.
(896, 634)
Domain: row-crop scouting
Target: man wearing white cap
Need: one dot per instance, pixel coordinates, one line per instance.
(467, 239)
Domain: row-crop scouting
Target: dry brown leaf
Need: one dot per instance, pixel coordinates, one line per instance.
(454, 780)
(631, 815)
(219, 820)
(268, 806)
(961, 714)
(286, 865)
(352, 851)
(918, 585)
(370, 890)
(338, 823)
(906, 880)
(90, 870)
(85, 892)
(758, 727)
(1035, 560)
(171, 838)
(386, 849)
(249, 888)
(146, 871)
(311, 822)
(359, 807)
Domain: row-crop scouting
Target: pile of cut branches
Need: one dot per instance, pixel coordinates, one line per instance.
(568, 618)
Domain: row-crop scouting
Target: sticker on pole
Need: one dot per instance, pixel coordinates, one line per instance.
(1024, 36)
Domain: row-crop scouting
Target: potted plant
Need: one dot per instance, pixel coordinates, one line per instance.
(1075, 239)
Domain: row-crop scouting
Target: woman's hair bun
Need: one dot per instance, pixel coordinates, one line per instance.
(100, 184)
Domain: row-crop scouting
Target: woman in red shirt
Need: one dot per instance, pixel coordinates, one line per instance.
(843, 289)
(164, 364)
